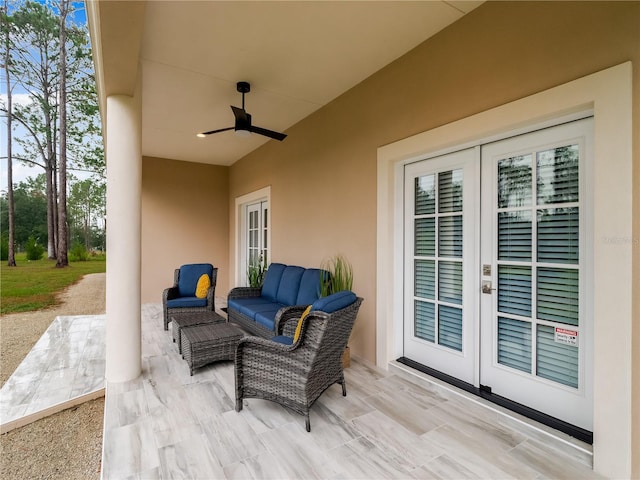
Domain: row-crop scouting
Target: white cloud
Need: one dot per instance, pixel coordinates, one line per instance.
(17, 98)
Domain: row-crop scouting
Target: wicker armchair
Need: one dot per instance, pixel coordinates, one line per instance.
(180, 298)
(296, 375)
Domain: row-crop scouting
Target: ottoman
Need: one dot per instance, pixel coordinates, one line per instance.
(204, 344)
(178, 322)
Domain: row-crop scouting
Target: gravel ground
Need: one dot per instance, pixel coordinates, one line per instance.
(67, 445)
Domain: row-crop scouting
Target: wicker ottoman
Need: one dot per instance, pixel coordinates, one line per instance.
(204, 344)
(178, 322)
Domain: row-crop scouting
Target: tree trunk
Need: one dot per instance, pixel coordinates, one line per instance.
(63, 230)
(11, 260)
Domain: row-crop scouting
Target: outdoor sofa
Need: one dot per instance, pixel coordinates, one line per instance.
(257, 309)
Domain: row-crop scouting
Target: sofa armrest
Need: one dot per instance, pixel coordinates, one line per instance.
(244, 292)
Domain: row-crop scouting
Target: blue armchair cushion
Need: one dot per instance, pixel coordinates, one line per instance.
(188, 302)
(272, 281)
(309, 290)
(283, 339)
(189, 275)
(334, 302)
(289, 285)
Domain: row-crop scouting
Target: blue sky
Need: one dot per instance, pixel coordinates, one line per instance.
(20, 170)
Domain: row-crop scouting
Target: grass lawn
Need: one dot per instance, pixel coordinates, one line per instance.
(33, 285)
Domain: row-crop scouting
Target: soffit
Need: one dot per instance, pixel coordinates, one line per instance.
(298, 56)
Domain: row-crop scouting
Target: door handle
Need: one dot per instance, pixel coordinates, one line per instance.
(486, 287)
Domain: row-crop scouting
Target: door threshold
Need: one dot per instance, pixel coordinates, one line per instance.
(571, 443)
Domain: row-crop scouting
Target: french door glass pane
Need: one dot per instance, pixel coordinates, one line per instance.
(515, 182)
(425, 237)
(425, 279)
(425, 195)
(450, 282)
(514, 290)
(557, 175)
(450, 236)
(558, 235)
(450, 191)
(514, 344)
(438, 223)
(425, 324)
(556, 361)
(514, 235)
(450, 327)
(558, 295)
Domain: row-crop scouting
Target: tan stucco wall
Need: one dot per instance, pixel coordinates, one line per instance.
(323, 176)
(185, 219)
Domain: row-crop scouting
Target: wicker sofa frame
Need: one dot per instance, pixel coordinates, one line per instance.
(295, 376)
(173, 292)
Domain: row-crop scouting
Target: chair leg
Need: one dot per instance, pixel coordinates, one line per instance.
(307, 422)
(238, 404)
(344, 388)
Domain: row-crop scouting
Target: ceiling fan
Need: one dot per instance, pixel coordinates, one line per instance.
(243, 124)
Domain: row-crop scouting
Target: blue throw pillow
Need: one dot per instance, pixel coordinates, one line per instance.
(334, 302)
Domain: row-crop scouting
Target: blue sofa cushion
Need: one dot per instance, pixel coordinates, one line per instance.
(267, 316)
(188, 302)
(309, 290)
(189, 275)
(249, 305)
(289, 285)
(283, 339)
(334, 302)
(272, 281)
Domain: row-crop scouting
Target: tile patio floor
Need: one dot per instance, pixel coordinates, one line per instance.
(392, 424)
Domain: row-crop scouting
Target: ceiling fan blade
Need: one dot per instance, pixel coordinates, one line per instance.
(268, 133)
(240, 114)
(217, 131)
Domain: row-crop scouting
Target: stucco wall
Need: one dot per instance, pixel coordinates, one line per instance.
(185, 219)
(323, 176)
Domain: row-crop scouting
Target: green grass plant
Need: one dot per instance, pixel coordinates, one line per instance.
(35, 284)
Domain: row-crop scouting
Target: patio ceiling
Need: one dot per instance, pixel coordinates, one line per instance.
(298, 56)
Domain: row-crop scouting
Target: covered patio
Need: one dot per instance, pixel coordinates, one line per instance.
(362, 90)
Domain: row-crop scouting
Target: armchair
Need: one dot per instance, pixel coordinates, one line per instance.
(296, 375)
(181, 297)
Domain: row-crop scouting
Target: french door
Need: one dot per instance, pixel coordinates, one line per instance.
(498, 272)
(441, 206)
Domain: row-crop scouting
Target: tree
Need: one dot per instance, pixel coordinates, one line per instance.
(35, 59)
(86, 210)
(30, 211)
(63, 245)
(51, 60)
(6, 26)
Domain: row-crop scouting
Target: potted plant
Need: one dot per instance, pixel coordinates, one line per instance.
(340, 275)
(340, 278)
(256, 270)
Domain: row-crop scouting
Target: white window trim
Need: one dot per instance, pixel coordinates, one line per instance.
(264, 194)
(608, 94)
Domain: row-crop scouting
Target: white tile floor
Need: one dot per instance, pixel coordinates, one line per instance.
(395, 424)
(392, 424)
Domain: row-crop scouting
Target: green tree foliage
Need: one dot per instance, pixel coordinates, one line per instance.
(30, 211)
(51, 61)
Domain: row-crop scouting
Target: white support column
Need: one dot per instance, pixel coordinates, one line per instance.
(124, 178)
